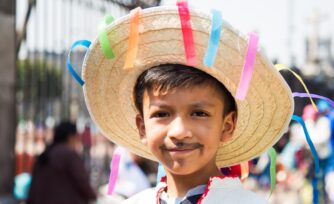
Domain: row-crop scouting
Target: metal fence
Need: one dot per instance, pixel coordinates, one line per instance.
(46, 31)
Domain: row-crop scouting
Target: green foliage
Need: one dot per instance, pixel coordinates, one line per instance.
(39, 84)
(37, 79)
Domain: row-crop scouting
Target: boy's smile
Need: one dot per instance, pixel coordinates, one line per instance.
(180, 147)
(184, 127)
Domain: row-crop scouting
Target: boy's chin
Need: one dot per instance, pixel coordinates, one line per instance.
(180, 170)
(187, 168)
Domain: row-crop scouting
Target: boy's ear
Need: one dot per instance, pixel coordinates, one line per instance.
(141, 128)
(229, 124)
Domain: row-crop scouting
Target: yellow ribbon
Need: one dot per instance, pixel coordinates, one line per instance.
(280, 67)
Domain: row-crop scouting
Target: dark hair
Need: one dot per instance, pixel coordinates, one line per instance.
(170, 76)
(61, 133)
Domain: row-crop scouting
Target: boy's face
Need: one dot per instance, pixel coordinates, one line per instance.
(184, 127)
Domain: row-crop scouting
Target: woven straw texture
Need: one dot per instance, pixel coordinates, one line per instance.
(262, 117)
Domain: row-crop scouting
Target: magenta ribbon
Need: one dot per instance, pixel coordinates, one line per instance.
(114, 171)
(188, 39)
(247, 70)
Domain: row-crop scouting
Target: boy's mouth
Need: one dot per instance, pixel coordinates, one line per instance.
(181, 146)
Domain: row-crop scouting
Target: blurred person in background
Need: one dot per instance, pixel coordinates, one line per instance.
(330, 175)
(86, 139)
(24, 158)
(323, 143)
(327, 114)
(133, 177)
(323, 134)
(59, 174)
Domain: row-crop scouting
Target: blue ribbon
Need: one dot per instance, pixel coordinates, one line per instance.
(84, 43)
(216, 28)
(315, 157)
(315, 190)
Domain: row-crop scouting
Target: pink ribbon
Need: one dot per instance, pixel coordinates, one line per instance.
(188, 39)
(114, 171)
(247, 70)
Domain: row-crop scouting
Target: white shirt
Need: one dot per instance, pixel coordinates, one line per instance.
(219, 191)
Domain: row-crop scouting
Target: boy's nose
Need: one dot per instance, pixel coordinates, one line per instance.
(179, 129)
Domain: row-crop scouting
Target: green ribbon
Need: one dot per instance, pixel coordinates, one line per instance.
(103, 37)
(272, 155)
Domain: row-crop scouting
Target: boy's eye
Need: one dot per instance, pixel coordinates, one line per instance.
(160, 114)
(199, 114)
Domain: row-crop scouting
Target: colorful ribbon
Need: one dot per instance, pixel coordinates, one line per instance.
(248, 67)
(314, 154)
(188, 39)
(103, 37)
(133, 39)
(114, 166)
(307, 95)
(216, 27)
(84, 43)
(280, 67)
(272, 155)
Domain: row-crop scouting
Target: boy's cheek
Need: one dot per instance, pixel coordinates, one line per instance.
(152, 140)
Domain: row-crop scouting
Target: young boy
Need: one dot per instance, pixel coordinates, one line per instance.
(184, 114)
(187, 117)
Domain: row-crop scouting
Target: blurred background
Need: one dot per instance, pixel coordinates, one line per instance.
(37, 91)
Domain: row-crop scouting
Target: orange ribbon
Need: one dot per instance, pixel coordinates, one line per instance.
(133, 39)
(244, 170)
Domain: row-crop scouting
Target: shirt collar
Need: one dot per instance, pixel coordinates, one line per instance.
(198, 190)
(214, 182)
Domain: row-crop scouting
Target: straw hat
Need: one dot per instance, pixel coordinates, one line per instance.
(262, 117)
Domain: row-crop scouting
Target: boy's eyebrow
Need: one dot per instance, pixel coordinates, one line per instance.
(194, 105)
(159, 105)
(202, 104)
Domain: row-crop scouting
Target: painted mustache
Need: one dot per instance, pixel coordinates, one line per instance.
(181, 146)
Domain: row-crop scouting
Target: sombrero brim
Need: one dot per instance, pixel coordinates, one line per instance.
(262, 117)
